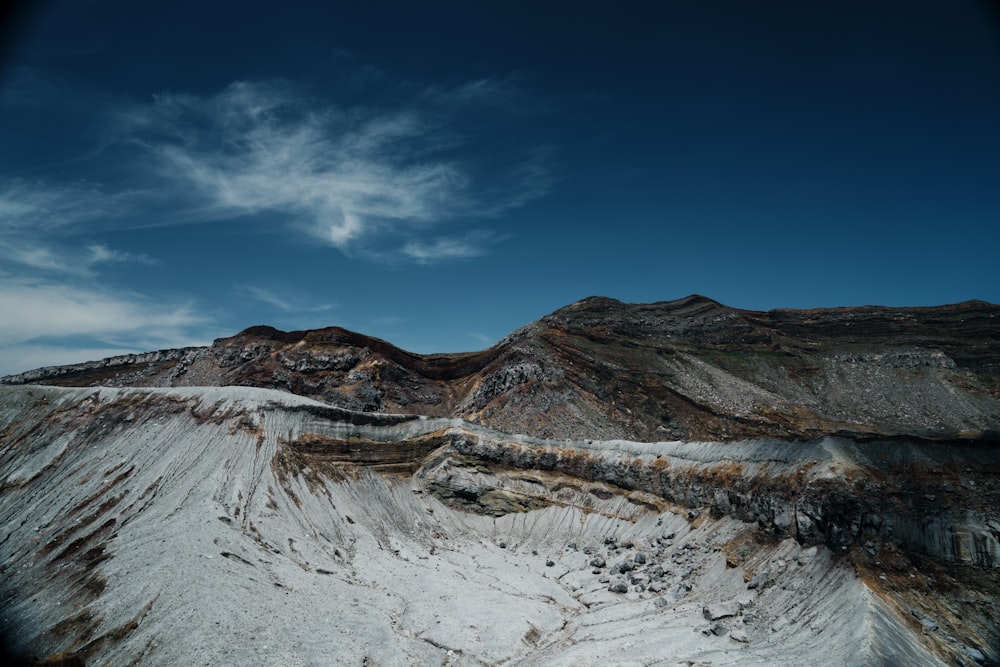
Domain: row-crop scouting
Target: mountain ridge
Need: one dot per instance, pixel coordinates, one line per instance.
(684, 369)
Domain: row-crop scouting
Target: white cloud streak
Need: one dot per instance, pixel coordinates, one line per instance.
(40, 206)
(37, 315)
(362, 180)
(356, 180)
(446, 248)
(282, 301)
(100, 253)
(39, 309)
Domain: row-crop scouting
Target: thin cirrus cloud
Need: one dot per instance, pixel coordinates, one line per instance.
(48, 258)
(39, 313)
(466, 246)
(283, 301)
(28, 206)
(363, 181)
(39, 221)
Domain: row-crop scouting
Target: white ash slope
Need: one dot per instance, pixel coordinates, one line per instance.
(159, 527)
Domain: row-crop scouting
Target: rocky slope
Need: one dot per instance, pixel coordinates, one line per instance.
(252, 527)
(690, 369)
(660, 484)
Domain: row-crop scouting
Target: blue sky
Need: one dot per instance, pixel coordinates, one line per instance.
(438, 174)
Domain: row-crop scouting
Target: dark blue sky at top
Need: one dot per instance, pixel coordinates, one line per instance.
(438, 174)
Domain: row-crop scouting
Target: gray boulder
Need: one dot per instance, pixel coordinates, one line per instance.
(618, 586)
(714, 612)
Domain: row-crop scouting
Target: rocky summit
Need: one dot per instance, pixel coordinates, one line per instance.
(615, 484)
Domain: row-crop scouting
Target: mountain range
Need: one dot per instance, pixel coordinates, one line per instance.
(689, 369)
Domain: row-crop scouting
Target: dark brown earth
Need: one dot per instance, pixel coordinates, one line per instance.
(689, 369)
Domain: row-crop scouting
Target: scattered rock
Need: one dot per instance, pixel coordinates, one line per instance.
(638, 579)
(974, 654)
(928, 623)
(618, 587)
(759, 579)
(714, 612)
(740, 636)
(719, 629)
(549, 562)
(639, 558)
(598, 561)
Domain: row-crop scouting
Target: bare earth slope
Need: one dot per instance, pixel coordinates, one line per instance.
(690, 369)
(252, 527)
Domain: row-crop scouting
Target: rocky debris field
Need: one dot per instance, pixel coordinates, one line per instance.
(235, 525)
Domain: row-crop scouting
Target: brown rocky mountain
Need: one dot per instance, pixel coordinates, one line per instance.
(689, 369)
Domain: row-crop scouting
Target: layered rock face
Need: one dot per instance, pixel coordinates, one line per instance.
(678, 482)
(690, 369)
(246, 526)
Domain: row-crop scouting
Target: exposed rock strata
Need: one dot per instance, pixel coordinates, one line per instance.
(259, 502)
(830, 479)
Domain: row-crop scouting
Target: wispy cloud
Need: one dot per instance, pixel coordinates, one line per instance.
(284, 301)
(40, 223)
(364, 180)
(356, 179)
(33, 309)
(37, 313)
(481, 339)
(49, 257)
(100, 253)
(40, 205)
(442, 248)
